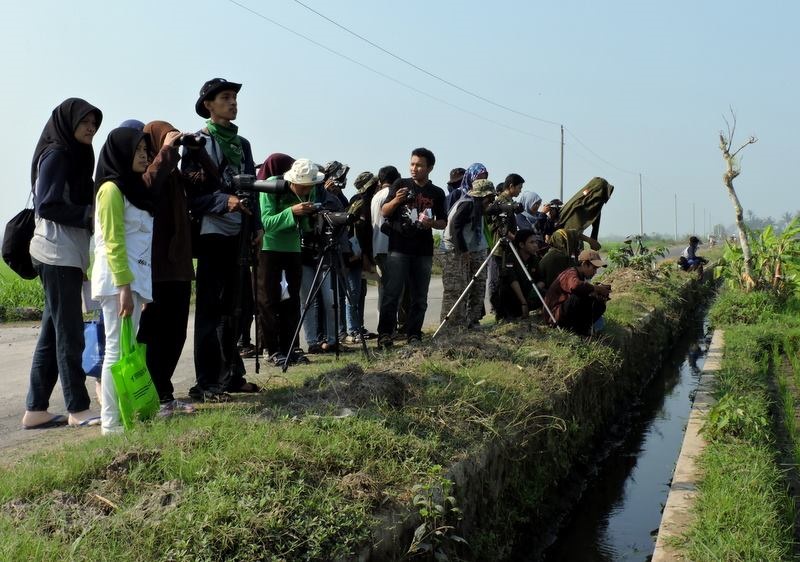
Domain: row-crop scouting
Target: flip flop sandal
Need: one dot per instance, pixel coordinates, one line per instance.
(56, 421)
(88, 422)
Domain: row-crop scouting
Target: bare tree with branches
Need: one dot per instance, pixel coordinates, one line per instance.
(732, 171)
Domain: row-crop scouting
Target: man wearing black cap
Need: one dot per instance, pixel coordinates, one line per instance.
(221, 280)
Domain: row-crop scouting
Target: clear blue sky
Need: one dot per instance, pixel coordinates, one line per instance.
(643, 84)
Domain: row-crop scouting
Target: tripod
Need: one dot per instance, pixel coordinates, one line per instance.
(507, 245)
(331, 257)
(247, 256)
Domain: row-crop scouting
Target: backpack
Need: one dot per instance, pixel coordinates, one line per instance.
(17, 242)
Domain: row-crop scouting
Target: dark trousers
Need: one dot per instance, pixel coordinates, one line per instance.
(278, 318)
(413, 272)
(60, 345)
(579, 314)
(218, 366)
(163, 328)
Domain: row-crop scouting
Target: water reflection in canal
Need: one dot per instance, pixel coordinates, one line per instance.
(618, 515)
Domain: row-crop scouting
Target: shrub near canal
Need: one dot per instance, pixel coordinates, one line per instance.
(326, 459)
(743, 510)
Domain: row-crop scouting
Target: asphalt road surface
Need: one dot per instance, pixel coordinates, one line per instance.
(18, 340)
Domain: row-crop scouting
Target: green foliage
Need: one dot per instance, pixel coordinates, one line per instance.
(640, 258)
(742, 511)
(739, 417)
(16, 292)
(433, 499)
(775, 261)
(734, 306)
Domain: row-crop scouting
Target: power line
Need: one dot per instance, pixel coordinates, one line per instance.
(424, 71)
(453, 85)
(388, 77)
(593, 153)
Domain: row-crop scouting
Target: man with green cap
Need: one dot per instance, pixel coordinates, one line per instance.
(223, 220)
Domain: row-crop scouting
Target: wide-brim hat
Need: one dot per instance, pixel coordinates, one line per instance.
(481, 188)
(211, 89)
(304, 172)
(591, 256)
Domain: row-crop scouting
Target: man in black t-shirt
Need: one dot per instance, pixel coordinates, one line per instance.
(413, 207)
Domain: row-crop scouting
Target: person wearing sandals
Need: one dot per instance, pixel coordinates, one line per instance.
(121, 273)
(219, 369)
(61, 179)
(164, 321)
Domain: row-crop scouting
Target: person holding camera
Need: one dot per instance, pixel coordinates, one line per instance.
(414, 206)
(227, 225)
(164, 321)
(577, 304)
(464, 240)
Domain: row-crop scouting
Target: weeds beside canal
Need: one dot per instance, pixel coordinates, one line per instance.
(743, 510)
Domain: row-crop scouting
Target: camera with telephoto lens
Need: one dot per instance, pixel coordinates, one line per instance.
(504, 208)
(191, 140)
(505, 216)
(248, 182)
(337, 172)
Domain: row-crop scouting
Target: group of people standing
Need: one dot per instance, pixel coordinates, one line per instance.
(159, 198)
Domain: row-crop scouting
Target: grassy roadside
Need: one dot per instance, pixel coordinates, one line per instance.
(743, 510)
(16, 293)
(308, 469)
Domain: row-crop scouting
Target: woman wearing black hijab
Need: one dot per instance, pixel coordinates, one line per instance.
(121, 274)
(61, 179)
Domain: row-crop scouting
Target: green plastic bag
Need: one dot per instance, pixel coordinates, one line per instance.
(136, 394)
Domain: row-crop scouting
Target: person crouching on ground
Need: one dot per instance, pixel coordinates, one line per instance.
(121, 274)
(577, 304)
(517, 296)
(690, 261)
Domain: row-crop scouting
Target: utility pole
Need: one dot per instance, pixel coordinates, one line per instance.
(641, 207)
(561, 190)
(676, 217)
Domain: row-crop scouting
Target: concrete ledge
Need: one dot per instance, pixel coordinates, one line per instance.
(676, 517)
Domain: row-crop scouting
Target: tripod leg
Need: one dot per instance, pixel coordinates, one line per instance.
(468, 287)
(349, 298)
(535, 288)
(316, 284)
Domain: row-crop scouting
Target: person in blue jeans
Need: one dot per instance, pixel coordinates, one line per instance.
(414, 207)
(63, 198)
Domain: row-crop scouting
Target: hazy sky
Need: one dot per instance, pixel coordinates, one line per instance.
(644, 85)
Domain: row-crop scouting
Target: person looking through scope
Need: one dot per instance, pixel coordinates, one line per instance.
(284, 216)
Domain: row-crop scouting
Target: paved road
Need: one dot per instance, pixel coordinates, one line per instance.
(18, 340)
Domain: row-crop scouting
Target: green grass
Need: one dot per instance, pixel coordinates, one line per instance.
(16, 292)
(289, 476)
(743, 510)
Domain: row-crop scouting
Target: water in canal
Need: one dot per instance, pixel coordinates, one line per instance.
(618, 515)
